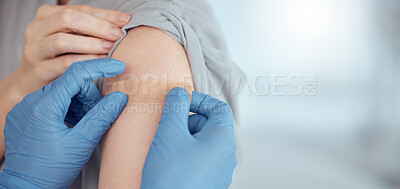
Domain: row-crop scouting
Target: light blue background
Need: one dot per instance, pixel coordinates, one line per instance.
(347, 136)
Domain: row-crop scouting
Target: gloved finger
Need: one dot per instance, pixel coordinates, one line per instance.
(58, 65)
(82, 103)
(89, 97)
(79, 76)
(196, 123)
(214, 109)
(99, 119)
(174, 117)
(218, 128)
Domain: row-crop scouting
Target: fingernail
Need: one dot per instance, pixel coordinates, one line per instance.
(116, 31)
(124, 18)
(107, 44)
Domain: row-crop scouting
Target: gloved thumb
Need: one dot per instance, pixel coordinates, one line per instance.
(175, 113)
(99, 119)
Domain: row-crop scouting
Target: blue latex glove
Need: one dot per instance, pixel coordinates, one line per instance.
(197, 151)
(41, 151)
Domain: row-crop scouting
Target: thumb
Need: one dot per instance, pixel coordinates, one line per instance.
(99, 119)
(175, 113)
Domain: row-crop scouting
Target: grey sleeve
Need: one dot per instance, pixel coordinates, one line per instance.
(193, 24)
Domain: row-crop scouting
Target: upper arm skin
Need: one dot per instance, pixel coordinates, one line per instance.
(145, 51)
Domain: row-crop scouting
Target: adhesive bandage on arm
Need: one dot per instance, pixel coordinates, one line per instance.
(147, 91)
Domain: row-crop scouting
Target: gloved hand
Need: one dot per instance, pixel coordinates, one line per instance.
(197, 151)
(41, 151)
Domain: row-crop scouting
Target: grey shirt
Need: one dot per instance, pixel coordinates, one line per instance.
(190, 22)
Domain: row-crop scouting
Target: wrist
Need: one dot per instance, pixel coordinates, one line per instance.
(27, 79)
(13, 86)
(10, 90)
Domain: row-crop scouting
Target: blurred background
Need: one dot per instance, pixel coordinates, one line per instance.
(342, 129)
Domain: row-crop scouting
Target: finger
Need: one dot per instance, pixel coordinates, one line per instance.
(174, 117)
(196, 123)
(70, 20)
(45, 11)
(62, 43)
(218, 129)
(116, 17)
(82, 103)
(212, 108)
(99, 119)
(89, 96)
(78, 77)
(200, 127)
(57, 66)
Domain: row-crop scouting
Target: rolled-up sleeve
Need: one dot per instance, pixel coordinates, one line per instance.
(193, 24)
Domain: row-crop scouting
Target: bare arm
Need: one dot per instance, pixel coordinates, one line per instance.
(151, 56)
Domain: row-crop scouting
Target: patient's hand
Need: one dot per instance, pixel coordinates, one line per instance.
(61, 35)
(57, 37)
